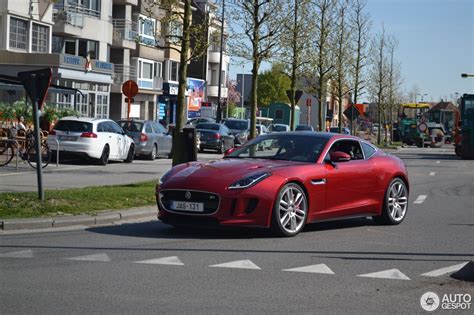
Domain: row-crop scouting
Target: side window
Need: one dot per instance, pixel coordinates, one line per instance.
(368, 150)
(224, 130)
(350, 147)
(161, 128)
(115, 128)
(101, 127)
(148, 128)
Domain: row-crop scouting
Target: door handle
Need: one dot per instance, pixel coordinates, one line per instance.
(319, 181)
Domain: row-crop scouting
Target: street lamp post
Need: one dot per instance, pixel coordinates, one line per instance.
(465, 75)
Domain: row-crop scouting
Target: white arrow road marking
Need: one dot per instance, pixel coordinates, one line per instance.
(19, 254)
(443, 271)
(420, 199)
(173, 260)
(432, 173)
(240, 264)
(321, 268)
(94, 257)
(387, 274)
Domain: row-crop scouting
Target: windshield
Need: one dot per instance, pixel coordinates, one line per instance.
(468, 107)
(207, 126)
(131, 126)
(237, 124)
(300, 148)
(73, 126)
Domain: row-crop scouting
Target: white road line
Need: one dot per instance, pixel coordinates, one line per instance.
(432, 173)
(437, 162)
(19, 254)
(443, 271)
(420, 199)
(173, 260)
(386, 274)
(94, 257)
(320, 268)
(239, 264)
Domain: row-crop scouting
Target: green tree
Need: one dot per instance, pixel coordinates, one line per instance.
(272, 85)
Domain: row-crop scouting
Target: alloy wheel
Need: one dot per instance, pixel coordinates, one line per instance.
(397, 201)
(292, 209)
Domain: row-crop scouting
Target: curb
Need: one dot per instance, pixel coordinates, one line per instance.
(106, 217)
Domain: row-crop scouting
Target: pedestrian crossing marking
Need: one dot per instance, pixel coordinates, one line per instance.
(239, 264)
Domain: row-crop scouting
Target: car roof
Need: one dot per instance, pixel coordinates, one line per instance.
(85, 119)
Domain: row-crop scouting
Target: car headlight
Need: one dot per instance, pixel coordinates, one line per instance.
(164, 177)
(249, 181)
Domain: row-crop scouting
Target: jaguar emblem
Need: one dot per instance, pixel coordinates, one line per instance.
(187, 195)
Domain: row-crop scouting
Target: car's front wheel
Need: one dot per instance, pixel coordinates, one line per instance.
(395, 205)
(290, 210)
(131, 154)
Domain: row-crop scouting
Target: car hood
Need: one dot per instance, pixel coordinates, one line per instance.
(223, 172)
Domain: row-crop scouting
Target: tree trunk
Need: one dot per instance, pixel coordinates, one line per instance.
(255, 66)
(180, 149)
(294, 65)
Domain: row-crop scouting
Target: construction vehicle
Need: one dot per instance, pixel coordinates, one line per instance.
(464, 130)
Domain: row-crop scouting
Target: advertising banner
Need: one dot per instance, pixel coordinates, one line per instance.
(195, 94)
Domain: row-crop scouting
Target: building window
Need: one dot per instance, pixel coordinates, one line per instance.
(174, 70)
(18, 33)
(145, 73)
(40, 38)
(102, 106)
(175, 32)
(158, 72)
(147, 28)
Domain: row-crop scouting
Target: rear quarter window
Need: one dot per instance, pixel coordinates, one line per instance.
(368, 150)
(73, 126)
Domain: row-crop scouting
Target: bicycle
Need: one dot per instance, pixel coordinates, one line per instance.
(27, 152)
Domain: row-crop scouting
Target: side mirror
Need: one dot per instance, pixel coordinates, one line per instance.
(229, 151)
(339, 156)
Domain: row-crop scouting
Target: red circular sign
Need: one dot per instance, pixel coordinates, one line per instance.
(422, 127)
(130, 88)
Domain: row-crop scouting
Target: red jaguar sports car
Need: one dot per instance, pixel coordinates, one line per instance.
(285, 180)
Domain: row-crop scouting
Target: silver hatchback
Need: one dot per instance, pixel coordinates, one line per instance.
(150, 137)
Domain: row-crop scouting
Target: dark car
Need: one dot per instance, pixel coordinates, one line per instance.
(304, 128)
(239, 128)
(200, 120)
(345, 130)
(150, 137)
(214, 136)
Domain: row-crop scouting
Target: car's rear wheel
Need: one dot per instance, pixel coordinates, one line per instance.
(395, 205)
(290, 210)
(221, 148)
(130, 155)
(104, 158)
(153, 152)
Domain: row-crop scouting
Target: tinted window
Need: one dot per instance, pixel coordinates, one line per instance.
(73, 126)
(208, 126)
(102, 127)
(114, 127)
(148, 128)
(298, 148)
(368, 150)
(131, 126)
(237, 124)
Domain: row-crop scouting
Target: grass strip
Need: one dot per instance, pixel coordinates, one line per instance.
(89, 200)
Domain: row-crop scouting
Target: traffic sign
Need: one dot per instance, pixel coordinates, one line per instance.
(36, 84)
(352, 113)
(130, 88)
(422, 127)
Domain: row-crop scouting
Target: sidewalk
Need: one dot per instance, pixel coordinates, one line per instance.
(106, 217)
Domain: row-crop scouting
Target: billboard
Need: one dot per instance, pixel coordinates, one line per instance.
(195, 93)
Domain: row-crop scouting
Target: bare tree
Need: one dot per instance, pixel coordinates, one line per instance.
(294, 45)
(177, 32)
(342, 57)
(256, 36)
(394, 82)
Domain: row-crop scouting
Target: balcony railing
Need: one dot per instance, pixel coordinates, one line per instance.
(125, 29)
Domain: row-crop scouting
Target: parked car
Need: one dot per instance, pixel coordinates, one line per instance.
(279, 128)
(150, 137)
(200, 120)
(345, 130)
(307, 177)
(214, 136)
(304, 128)
(262, 130)
(239, 128)
(99, 139)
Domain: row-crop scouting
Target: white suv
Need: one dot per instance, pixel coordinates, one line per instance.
(100, 139)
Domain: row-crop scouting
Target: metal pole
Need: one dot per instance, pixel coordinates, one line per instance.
(39, 169)
(219, 108)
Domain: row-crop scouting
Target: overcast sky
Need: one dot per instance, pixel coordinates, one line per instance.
(436, 43)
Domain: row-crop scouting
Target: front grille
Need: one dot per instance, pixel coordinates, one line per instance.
(210, 201)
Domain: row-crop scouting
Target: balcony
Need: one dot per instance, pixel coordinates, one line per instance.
(124, 73)
(71, 19)
(125, 2)
(124, 34)
(213, 90)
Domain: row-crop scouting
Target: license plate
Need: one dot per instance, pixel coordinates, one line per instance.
(67, 138)
(187, 206)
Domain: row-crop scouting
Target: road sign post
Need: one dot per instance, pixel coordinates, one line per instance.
(36, 84)
(129, 89)
(352, 113)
